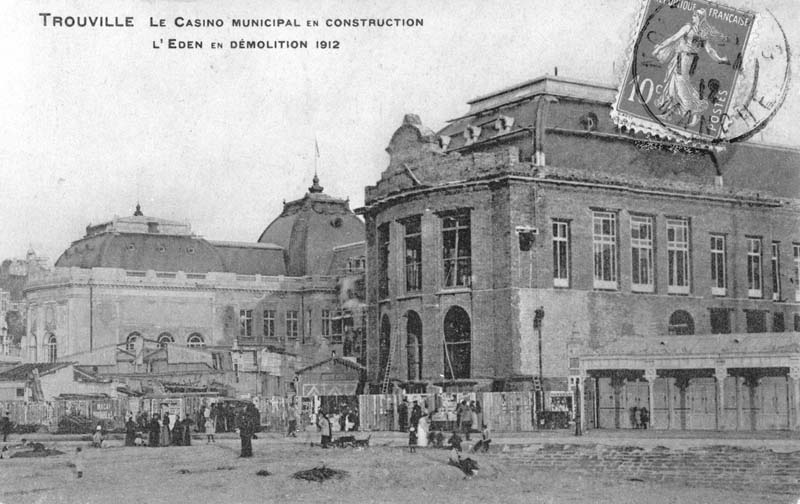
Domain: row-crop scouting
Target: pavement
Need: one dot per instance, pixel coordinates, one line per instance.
(778, 441)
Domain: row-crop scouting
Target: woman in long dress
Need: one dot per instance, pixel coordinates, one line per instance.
(422, 430)
(681, 51)
(165, 438)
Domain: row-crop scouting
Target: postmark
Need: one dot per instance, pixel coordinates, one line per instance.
(702, 73)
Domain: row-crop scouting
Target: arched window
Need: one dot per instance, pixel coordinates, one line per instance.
(164, 339)
(384, 345)
(33, 350)
(130, 343)
(52, 348)
(414, 345)
(195, 340)
(457, 344)
(681, 323)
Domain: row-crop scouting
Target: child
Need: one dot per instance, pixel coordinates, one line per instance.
(485, 441)
(211, 427)
(412, 439)
(77, 462)
(97, 438)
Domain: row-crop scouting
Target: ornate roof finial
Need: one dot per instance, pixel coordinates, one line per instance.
(138, 212)
(315, 187)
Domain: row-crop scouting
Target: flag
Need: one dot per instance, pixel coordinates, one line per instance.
(316, 147)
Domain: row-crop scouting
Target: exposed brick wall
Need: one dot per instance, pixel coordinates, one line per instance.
(584, 171)
(714, 466)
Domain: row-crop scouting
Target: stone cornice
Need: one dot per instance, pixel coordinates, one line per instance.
(571, 179)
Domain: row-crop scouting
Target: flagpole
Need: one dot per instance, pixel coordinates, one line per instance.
(316, 155)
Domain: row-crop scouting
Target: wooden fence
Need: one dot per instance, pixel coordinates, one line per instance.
(502, 411)
(22, 413)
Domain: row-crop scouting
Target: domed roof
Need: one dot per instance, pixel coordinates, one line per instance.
(310, 228)
(147, 243)
(142, 252)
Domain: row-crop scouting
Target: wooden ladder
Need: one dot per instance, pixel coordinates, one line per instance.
(393, 344)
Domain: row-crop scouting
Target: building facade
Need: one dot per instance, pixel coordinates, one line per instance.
(531, 232)
(13, 275)
(145, 298)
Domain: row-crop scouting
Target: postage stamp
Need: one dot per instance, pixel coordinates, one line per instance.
(693, 72)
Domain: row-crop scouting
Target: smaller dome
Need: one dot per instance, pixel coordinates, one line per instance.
(310, 228)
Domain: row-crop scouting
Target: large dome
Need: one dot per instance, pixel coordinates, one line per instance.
(310, 228)
(148, 243)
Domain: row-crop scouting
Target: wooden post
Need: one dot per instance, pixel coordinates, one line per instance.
(738, 403)
(650, 375)
(794, 374)
(581, 406)
(720, 373)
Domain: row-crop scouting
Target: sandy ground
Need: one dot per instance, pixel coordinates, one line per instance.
(214, 473)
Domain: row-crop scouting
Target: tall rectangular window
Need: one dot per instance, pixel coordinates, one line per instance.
(756, 321)
(326, 323)
(796, 253)
(720, 320)
(778, 322)
(456, 250)
(413, 245)
(341, 322)
(604, 241)
(383, 261)
(754, 268)
(719, 280)
(642, 254)
(776, 271)
(292, 324)
(678, 256)
(269, 323)
(560, 254)
(246, 323)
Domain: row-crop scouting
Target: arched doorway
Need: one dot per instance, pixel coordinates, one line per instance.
(384, 345)
(414, 345)
(681, 323)
(457, 344)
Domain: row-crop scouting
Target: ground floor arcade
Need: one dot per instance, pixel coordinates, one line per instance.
(712, 382)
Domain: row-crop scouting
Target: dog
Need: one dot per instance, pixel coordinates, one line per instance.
(482, 445)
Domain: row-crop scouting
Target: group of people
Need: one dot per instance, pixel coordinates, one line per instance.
(640, 417)
(418, 424)
(469, 417)
(162, 430)
(171, 430)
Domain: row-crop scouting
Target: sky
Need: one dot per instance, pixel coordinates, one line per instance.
(93, 120)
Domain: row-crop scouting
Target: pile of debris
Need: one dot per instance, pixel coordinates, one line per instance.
(319, 474)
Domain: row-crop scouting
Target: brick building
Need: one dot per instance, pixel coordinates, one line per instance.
(535, 199)
(146, 299)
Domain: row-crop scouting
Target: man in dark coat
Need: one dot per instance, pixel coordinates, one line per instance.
(416, 414)
(187, 431)
(130, 432)
(155, 431)
(246, 425)
(5, 426)
(402, 415)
